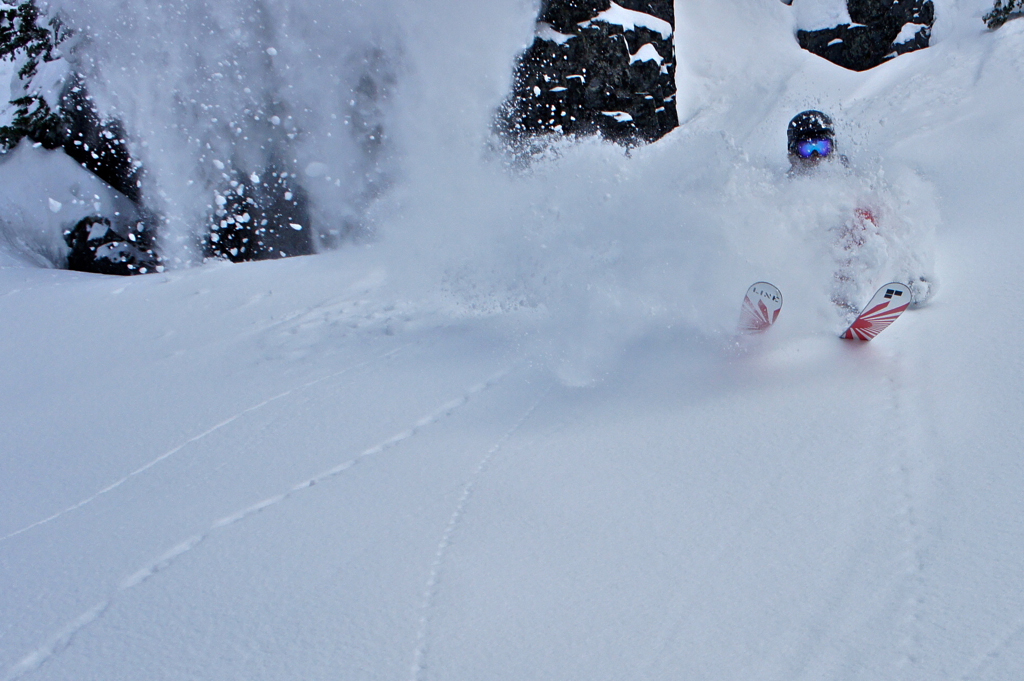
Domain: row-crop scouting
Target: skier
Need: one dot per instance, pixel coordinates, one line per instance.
(865, 253)
(812, 141)
(858, 243)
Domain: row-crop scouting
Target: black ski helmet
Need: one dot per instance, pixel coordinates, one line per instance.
(809, 125)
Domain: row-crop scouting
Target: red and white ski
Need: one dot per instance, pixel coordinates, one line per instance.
(761, 307)
(886, 306)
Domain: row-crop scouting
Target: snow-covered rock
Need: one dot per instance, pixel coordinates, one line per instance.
(591, 58)
(870, 33)
(56, 213)
(97, 246)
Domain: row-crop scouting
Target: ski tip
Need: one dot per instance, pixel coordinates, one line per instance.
(761, 307)
(885, 307)
(767, 287)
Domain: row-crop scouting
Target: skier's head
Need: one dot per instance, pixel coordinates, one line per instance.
(812, 139)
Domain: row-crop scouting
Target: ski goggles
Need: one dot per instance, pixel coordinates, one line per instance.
(808, 148)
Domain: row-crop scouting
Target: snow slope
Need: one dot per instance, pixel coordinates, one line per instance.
(515, 438)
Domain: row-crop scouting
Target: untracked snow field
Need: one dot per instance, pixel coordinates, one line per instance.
(516, 437)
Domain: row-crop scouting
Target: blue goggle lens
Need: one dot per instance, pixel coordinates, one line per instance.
(808, 148)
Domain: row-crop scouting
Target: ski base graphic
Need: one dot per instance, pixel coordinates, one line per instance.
(885, 307)
(761, 307)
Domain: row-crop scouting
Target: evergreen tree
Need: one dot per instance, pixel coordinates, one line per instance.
(29, 40)
(51, 105)
(1002, 12)
(260, 218)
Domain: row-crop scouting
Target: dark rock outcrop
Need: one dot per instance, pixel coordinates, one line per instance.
(98, 246)
(595, 67)
(881, 30)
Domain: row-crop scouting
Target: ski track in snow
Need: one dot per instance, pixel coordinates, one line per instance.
(905, 458)
(58, 643)
(171, 452)
(986, 659)
(62, 639)
(430, 591)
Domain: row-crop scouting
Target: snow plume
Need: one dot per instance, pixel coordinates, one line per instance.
(861, 230)
(600, 250)
(215, 93)
(383, 114)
